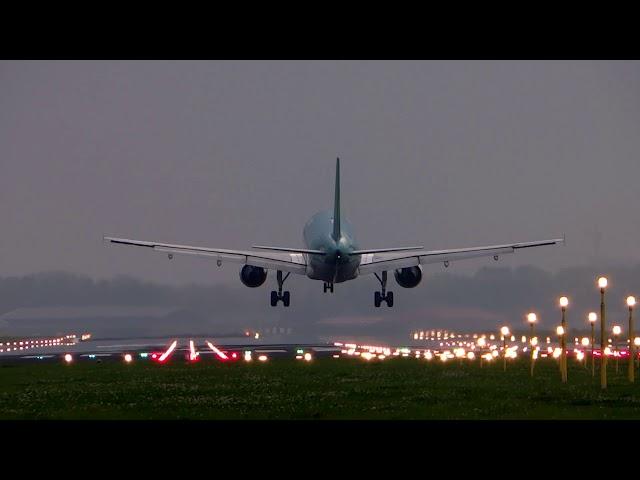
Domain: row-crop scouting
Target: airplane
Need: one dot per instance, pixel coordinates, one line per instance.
(332, 255)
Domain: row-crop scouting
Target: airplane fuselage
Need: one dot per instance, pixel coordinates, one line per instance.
(337, 265)
(333, 256)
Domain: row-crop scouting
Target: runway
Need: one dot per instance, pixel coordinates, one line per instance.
(187, 347)
(191, 348)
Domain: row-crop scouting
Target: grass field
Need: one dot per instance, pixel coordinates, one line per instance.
(346, 388)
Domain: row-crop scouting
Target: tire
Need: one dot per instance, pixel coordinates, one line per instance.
(377, 299)
(390, 299)
(286, 298)
(274, 298)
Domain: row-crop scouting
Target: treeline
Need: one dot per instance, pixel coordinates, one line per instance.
(444, 299)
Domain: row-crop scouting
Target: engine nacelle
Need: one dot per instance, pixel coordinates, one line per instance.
(408, 277)
(252, 276)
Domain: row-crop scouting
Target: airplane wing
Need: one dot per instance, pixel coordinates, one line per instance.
(293, 261)
(371, 263)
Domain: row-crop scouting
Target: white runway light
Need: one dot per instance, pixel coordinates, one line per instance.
(68, 358)
(193, 355)
(169, 351)
(218, 352)
(128, 358)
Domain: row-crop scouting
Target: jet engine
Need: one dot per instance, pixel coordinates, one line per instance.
(408, 277)
(253, 276)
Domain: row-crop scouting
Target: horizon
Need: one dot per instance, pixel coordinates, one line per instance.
(460, 301)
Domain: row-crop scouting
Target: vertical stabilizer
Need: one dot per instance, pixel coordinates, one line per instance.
(336, 205)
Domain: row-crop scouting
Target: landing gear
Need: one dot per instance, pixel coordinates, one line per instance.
(279, 295)
(328, 286)
(383, 296)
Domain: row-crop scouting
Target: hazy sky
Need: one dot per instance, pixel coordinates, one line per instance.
(230, 154)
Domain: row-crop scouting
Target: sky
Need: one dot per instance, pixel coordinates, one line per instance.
(234, 153)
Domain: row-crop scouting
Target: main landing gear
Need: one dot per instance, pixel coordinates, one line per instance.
(279, 295)
(383, 296)
(328, 287)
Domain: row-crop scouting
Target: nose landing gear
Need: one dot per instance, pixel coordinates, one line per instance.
(328, 286)
(279, 295)
(383, 296)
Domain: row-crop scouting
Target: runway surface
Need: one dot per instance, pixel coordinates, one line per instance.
(30, 350)
(71, 348)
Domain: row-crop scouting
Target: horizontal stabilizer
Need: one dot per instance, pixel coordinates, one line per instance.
(384, 250)
(290, 250)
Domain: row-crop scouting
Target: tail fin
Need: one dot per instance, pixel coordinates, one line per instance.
(336, 204)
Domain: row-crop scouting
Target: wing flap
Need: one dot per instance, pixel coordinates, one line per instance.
(383, 250)
(290, 250)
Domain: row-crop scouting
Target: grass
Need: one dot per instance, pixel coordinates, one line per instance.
(347, 388)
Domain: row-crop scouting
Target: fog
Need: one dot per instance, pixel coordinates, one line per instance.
(234, 153)
(485, 300)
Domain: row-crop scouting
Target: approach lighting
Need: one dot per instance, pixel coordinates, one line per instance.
(221, 355)
(169, 351)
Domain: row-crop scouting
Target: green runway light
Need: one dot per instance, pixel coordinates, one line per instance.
(144, 355)
(299, 351)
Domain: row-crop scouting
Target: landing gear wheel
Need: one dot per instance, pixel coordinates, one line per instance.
(328, 287)
(277, 296)
(383, 296)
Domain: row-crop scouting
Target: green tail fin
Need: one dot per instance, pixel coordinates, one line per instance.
(336, 205)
